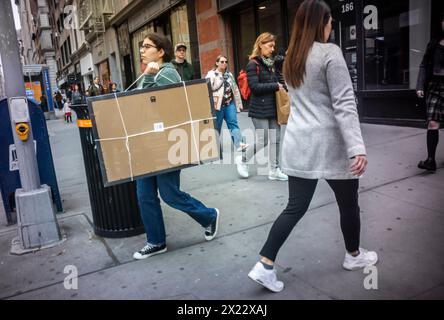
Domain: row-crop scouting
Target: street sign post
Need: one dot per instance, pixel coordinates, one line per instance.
(37, 223)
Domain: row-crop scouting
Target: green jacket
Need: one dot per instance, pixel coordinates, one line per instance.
(94, 91)
(185, 70)
(166, 75)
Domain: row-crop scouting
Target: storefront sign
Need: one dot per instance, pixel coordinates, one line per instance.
(33, 90)
(352, 32)
(45, 72)
(371, 20)
(152, 10)
(370, 14)
(86, 64)
(13, 159)
(348, 7)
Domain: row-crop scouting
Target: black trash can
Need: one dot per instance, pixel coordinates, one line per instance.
(115, 209)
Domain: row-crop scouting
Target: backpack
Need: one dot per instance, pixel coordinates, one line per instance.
(242, 80)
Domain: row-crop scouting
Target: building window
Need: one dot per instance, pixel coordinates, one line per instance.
(105, 78)
(395, 34)
(246, 34)
(250, 21)
(270, 20)
(292, 8)
(137, 41)
(179, 28)
(63, 55)
(69, 46)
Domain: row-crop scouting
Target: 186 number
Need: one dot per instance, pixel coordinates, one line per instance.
(348, 7)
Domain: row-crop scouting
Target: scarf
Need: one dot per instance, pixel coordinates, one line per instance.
(269, 62)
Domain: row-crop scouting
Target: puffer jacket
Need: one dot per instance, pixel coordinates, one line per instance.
(263, 86)
(217, 84)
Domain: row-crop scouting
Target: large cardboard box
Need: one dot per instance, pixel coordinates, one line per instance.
(153, 131)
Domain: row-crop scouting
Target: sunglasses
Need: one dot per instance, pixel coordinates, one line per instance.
(223, 61)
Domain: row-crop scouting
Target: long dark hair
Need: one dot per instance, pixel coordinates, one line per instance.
(309, 25)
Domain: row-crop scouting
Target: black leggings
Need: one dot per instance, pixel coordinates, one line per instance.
(301, 192)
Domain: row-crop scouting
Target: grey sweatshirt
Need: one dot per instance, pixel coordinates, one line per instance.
(323, 132)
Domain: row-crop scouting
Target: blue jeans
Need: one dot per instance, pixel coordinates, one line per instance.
(168, 185)
(229, 113)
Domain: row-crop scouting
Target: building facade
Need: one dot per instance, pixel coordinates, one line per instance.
(383, 43)
(44, 38)
(101, 41)
(133, 19)
(28, 31)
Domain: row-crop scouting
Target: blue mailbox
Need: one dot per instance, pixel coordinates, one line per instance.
(9, 174)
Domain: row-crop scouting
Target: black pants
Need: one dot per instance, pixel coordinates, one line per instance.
(301, 192)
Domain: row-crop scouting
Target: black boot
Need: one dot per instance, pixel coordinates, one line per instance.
(429, 165)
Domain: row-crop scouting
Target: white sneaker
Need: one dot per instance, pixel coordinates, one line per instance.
(277, 175)
(266, 278)
(364, 259)
(243, 147)
(242, 168)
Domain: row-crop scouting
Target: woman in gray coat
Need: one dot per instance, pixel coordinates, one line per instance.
(323, 139)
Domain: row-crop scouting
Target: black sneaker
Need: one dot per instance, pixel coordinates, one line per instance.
(429, 165)
(148, 251)
(211, 231)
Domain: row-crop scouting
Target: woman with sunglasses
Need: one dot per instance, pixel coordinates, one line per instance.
(323, 140)
(227, 100)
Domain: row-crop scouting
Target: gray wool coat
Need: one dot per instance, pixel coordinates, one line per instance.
(323, 133)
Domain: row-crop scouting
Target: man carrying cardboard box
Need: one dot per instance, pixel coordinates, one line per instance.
(156, 53)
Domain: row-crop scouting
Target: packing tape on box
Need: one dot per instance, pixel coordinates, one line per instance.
(127, 137)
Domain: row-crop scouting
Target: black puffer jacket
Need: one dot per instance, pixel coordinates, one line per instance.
(263, 88)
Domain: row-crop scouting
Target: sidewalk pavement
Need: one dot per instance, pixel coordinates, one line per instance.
(402, 219)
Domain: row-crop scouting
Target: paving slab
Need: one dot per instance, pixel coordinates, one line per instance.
(44, 268)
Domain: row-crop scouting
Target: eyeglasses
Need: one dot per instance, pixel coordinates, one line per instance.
(223, 62)
(146, 46)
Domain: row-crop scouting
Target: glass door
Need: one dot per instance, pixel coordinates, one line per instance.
(344, 34)
(246, 36)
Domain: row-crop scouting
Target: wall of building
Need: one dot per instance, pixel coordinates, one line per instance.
(215, 36)
(27, 30)
(43, 42)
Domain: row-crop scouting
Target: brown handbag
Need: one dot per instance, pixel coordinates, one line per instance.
(282, 106)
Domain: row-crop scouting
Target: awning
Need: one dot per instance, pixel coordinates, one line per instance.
(33, 69)
(61, 82)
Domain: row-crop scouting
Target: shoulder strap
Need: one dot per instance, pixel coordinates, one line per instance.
(160, 74)
(257, 65)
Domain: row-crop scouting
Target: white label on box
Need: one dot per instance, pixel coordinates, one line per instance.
(159, 127)
(13, 160)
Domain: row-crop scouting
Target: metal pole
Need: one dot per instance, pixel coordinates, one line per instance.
(36, 218)
(15, 87)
